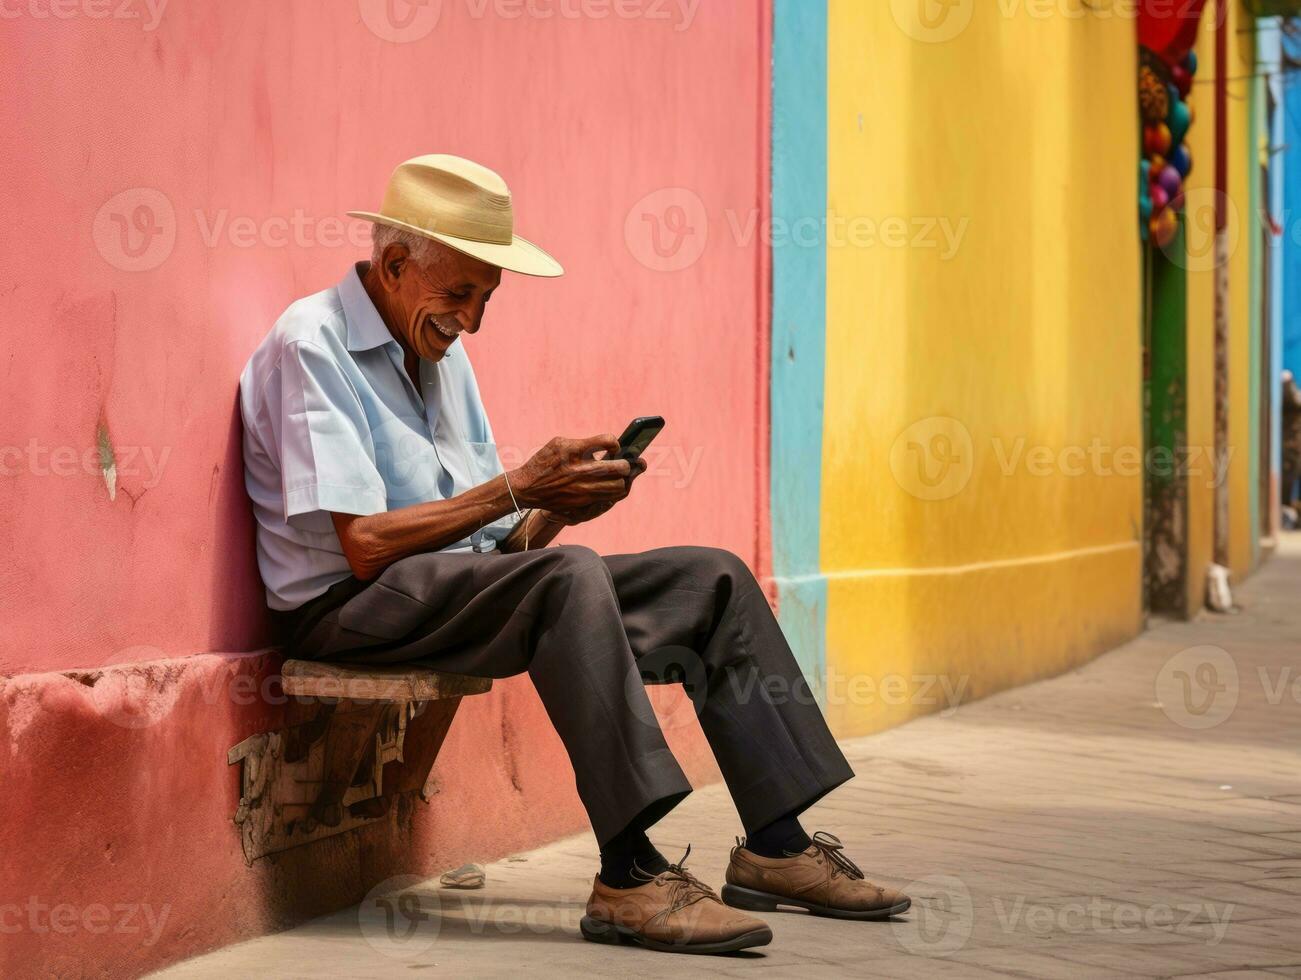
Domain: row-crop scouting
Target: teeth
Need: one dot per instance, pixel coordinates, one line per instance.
(439, 328)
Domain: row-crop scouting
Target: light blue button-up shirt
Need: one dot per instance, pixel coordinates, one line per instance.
(332, 422)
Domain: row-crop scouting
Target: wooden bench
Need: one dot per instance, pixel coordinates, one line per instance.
(356, 738)
(304, 678)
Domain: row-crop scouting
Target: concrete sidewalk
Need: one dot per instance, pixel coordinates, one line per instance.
(1138, 817)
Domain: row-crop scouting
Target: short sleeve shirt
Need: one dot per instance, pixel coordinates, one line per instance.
(333, 422)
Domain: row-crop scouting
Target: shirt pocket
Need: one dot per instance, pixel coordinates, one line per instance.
(484, 464)
(407, 461)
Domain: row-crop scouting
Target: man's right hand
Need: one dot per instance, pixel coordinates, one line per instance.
(564, 477)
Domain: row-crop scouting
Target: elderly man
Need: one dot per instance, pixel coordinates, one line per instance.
(388, 531)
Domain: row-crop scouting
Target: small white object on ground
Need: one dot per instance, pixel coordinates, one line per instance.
(1219, 596)
(466, 876)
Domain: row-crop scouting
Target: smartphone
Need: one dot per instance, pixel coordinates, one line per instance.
(638, 436)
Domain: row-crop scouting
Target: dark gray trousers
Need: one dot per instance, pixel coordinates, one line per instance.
(591, 631)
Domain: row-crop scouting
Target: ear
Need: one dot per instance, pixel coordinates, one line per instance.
(392, 264)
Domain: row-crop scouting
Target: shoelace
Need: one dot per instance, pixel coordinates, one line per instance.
(829, 844)
(685, 888)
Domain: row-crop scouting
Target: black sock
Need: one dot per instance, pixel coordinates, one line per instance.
(781, 838)
(628, 848)
(631, 846)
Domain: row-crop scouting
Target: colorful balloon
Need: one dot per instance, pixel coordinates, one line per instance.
(1153, 100)
(1182, 159)
(1183, 81)
(1170, 179)
(1157, 163)
(1164, 225)
(1156, 139)
(1159, 198)
(1177, 202)
(1179, 121)
(1190, 62)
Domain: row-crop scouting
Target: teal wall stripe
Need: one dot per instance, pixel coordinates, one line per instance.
(799, 323)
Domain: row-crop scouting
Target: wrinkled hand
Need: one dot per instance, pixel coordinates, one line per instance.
(565, 477)
(583, 514)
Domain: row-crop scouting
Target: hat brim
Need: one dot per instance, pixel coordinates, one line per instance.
(520, 255)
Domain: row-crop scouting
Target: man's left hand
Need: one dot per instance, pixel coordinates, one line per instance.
(584, 514)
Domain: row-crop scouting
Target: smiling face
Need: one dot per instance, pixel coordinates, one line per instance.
(427, 306)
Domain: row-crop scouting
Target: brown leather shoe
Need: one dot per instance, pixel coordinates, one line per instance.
(674, 912)
(821, 880)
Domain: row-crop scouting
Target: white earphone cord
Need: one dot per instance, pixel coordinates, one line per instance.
(518, 513)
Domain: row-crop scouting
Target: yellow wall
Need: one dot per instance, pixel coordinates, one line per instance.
(1199, 227)
(1243, 168)
(1024, 129)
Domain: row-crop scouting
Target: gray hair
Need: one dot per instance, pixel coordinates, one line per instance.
(424, 251)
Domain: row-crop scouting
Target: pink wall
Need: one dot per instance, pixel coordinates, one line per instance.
(268, 112)
(240, 131)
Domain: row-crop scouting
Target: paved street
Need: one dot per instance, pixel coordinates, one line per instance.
(1138, 817)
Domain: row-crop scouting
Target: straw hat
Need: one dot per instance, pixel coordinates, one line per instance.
(461, 204)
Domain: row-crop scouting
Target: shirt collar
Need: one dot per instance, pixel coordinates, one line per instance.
(366, 328)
